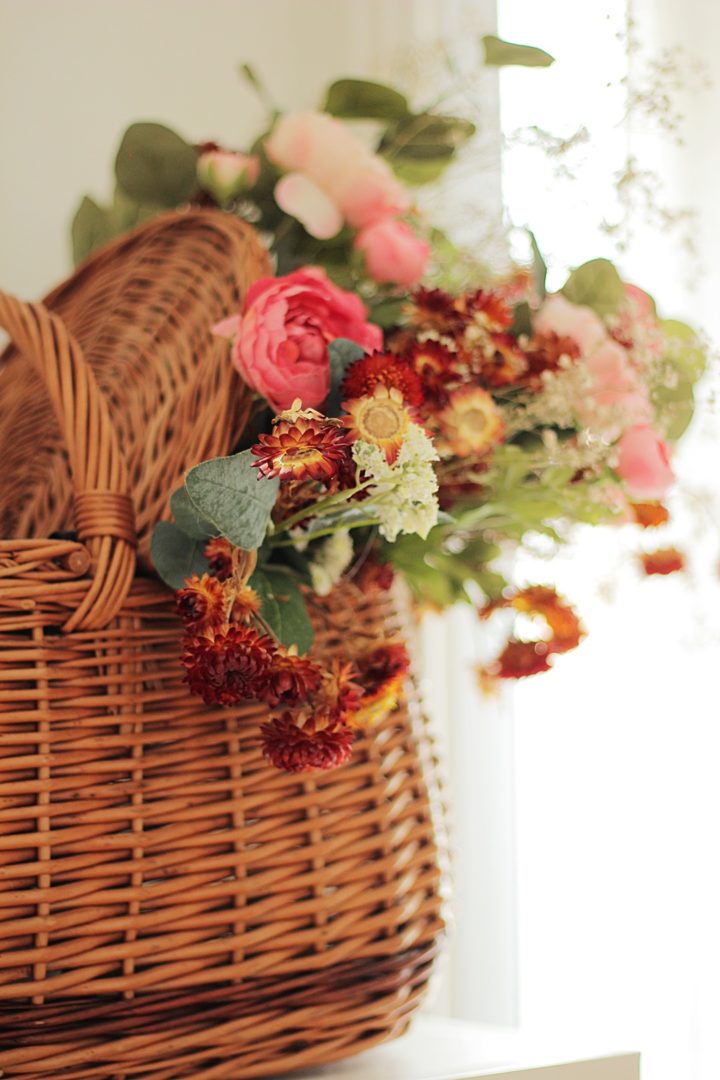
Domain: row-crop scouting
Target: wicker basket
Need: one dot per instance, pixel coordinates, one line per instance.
(170, 906)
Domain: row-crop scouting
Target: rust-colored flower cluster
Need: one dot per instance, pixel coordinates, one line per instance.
(522, 656)
(229, 657)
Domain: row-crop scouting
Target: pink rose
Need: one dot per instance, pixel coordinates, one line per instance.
(331, 175)
(393, 252)
(559, 316)
(617, 397)
(644, 463)
(225, 174)
(281, 336)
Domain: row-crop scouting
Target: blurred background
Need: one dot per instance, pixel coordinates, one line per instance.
(586, 804)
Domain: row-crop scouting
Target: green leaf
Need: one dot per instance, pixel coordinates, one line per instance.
(229, 493)
(539, 267)
(283, 608)
(684, 348)
(522, 321)
(156, 165)
(417, 173)
(426, 137)
(597, 285)
(342, 354)
(674, 401)
(187, 517)
(364, 100)
(499, 53)
(91, 228)
(388, 312)
(175, 555)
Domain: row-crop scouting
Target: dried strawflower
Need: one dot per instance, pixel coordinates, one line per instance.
(306, 448)
(229, 667)
(291, 679)
(382, 369)
(664, 561)
(650, 515)
(381, 419)
(219, 554)
(202, 604)
(295, 750)
(470, 423)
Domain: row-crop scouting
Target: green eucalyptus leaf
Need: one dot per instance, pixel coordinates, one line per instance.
(388, 312)
(342, 353)
(522, 320)
(426, 137)
(175, 555)
(91, 228)
(539, 267)
(675, 404)
(596, 284)
(362, 99)
(283, 608)
(684, 348)
(187, 517)
(416, 173)
(156, 165)
(229, 493)
(499, 53)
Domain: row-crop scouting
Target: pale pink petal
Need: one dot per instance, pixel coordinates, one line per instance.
(304, 200)
(227, 328)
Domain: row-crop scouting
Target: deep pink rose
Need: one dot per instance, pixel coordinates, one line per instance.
(282, 334)
(644, 463)
(393, 252)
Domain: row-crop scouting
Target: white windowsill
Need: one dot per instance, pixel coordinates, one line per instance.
(440, 1049)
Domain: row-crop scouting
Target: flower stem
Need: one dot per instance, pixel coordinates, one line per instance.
(319, 508)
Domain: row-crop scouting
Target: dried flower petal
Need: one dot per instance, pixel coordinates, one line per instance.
(650, 515)
(292, 679)
(664, 561)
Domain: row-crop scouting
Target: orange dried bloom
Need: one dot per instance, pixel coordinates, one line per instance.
(337, 696)
(219, 554)
(382, 369)
(664, 561)
(296, 750)
(246, 604)
(650, 515)
(302, 449)
(202, 604)
(520, 659)
(230, 667)
(381, 418)
(487, 308)
(470, 423)
(435, 308)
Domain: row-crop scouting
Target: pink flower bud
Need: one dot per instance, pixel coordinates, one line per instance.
(393, 253)
(225, 174)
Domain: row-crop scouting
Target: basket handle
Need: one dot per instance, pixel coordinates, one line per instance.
(103, 508)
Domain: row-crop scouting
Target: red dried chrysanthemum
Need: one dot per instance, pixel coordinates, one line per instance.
(292, 679)
(487, 307)
(499, 361)
(382, 671)
(436, 308)
(664, 561)
(439, 369)
(382, 369)
(542, 600)
(650, 515)
(380, 665)
(219, 554)
(305, 448)
(337, 696)
(295, 750)
(202, 604)
(545, 353)
(230, 667)
(246, 604)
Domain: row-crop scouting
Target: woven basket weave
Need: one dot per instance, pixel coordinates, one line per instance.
(171, 906)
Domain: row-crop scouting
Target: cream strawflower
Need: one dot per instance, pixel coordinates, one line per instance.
(331, 561)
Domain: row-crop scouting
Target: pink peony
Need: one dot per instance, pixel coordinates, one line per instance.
(225, 174)
(281, 336)
(559, 316)
(644, 463)
(324, 159)
(393, 252)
